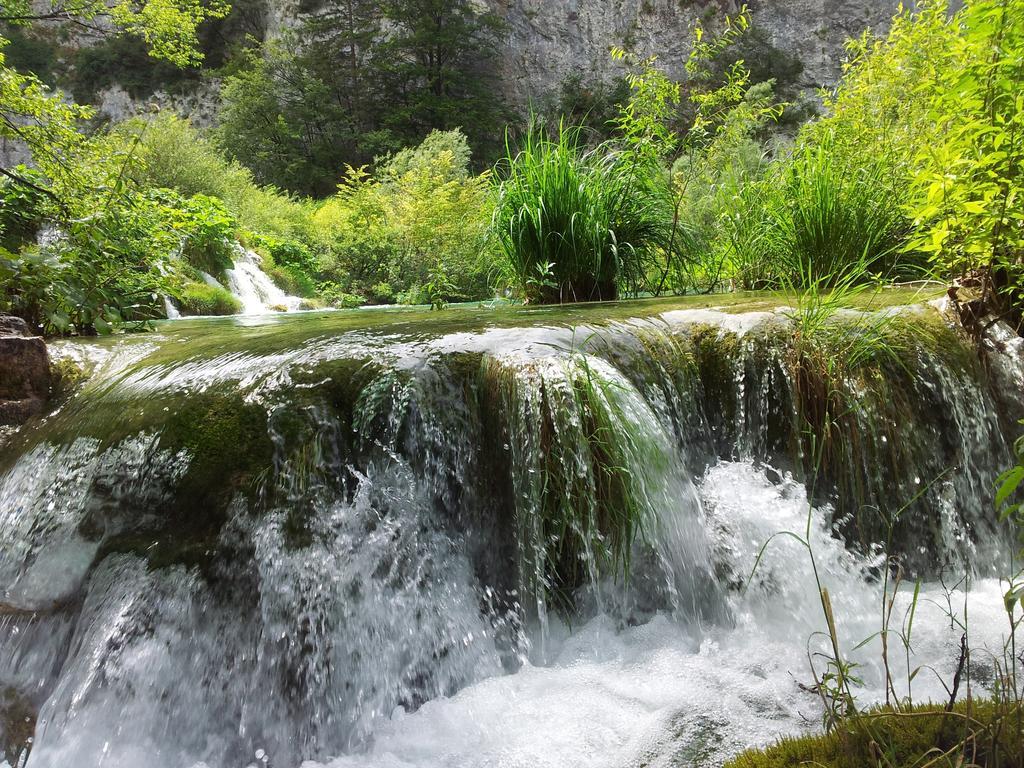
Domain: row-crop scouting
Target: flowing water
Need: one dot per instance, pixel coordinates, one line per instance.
(388, 539)
(253, 287)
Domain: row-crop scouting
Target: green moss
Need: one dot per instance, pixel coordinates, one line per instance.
(203, 299)
(982, 734)
(226, 439)
(228, 449)
(66, 376)
(716, 354)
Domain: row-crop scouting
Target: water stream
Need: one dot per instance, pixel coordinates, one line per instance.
(253, 287)
(382, 539)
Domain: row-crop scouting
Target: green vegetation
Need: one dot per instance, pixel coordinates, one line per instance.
(572, 223)
(663, 186)
(971, 733)
(358, 82)
(203, 299)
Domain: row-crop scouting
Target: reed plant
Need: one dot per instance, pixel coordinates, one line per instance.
(577, 224)
(813, 221)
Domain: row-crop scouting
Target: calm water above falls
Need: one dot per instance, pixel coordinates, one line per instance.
(326, 539)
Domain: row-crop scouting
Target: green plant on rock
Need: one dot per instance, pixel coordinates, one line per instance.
(204, 299)
(977, 733)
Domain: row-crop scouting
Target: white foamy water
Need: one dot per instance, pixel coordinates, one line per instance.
(665, 693)
(254, 288)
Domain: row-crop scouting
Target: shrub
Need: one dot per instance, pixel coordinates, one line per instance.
(423, 206)
(969, 187)
(168, 152)
(204, 299)
(336, 297)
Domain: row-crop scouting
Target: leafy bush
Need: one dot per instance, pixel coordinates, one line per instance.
(100, 273)
(337, 297)
(22, 209)
(391, 230)
(203, 225)
(168, 152)
(968, 189)
(571, 223)
(204, 299)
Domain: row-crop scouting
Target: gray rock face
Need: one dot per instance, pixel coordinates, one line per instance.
(24, 372)
(547, 41)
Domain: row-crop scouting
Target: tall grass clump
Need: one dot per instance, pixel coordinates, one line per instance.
(574, 224)
(840, 220)
(814, 222)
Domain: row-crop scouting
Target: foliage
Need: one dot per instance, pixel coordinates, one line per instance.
(592, 105)
(22, 209)
(125, 62)
(835, 222)
(203, 226)
(969, 186)
(359, 82)
(204, 299)
(98, 275)
(721, 162)
(335, 296)
(422, 210)
(169, 153)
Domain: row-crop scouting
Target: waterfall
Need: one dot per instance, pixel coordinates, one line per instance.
(254, 289)
(520, 537)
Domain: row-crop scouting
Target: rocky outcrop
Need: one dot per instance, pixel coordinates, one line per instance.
(24, 372)
(548, 41)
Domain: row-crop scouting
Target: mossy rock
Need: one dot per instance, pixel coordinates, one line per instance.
(979, 733)
(716, 354)
(202, 299)
(66, 377)
(228, 444)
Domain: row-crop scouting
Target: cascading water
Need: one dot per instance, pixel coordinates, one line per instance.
(254, 288)
(400, 539)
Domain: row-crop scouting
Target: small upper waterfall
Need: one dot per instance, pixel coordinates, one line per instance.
(520, 537)
(254, 288)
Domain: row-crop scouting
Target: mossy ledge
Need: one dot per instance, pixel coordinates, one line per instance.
(986, 734)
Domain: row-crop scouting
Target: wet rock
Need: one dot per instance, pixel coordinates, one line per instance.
(17, 724)
(13, 326)
(24, 372)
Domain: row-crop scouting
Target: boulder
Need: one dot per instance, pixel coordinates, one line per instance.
(24, 372)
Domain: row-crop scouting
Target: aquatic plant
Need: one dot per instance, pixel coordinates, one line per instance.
(574, 224)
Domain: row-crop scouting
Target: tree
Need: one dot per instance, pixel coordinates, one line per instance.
(279, 118)
(435, 68)
(359, 82)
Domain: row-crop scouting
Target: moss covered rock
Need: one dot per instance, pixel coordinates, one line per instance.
(980, 733)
